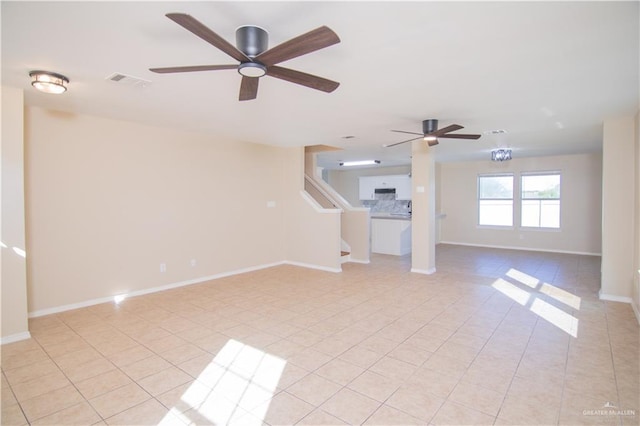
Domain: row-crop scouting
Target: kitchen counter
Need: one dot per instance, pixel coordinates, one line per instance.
(391, 234)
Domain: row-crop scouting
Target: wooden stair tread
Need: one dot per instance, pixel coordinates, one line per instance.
(345, 253)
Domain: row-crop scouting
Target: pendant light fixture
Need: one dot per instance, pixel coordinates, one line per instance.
(501, 155)
(49, 82)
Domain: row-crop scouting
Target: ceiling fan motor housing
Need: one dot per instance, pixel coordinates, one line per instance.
(252, 40)
(429, 126)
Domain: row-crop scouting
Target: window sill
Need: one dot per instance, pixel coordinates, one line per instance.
(539, 229)
(496, 227)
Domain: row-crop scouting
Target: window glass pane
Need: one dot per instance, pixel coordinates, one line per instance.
(550, 213)
(530, 213)
(495, 186)
(541, 213)
(496, 212)
(541, 186)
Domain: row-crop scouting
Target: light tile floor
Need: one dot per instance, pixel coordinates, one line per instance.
(494, 337)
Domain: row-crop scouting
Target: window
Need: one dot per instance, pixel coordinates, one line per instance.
(495, 200)
(541, 200)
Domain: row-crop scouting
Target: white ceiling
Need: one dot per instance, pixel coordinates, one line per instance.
(548, 73)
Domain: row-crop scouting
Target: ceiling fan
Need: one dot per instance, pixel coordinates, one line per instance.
(256, 60)
(431, 133)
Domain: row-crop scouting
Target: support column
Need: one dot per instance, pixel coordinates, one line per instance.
(423, 218)
(13, 269)
(618, 197)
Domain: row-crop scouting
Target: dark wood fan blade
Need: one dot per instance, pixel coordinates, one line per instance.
(190, 23)
(193, 68)
(451, 128)
(409, 133)
(249, 88)
(306, 43)
(432, 142)
(459, 136)
(398, 143)
(304, 79)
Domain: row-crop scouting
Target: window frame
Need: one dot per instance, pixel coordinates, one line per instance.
(524, 175)
(479, 199)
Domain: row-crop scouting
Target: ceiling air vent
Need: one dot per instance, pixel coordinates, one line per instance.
(128, 80)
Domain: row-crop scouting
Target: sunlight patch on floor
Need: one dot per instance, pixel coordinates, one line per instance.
(561, 295)
(523, 278)
(554, 315)
(558, 317)
(119, 298)
(511, 291)
(240, 379)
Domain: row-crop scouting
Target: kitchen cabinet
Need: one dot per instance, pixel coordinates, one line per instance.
(368, 185)
(391, 236)
(403, 187)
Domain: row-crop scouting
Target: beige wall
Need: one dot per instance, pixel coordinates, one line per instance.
(12, 226)
(109, 201)
(618, 202)
(347, 184)
(580, 210)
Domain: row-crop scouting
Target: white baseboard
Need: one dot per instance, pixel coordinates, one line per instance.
(71, 306)
(15, 338)
(86, 303)
(636, 311)
(520, 248)
(311, 266)
(364, 262)
(614, 298)
(424, 271)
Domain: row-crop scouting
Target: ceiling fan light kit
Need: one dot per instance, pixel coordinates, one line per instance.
(254, 56)
(252, 69)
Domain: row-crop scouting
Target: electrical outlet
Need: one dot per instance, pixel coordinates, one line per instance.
(193, 262)
(163, 267)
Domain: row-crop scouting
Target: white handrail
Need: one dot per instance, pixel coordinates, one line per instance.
(321, 191)
(335, 198)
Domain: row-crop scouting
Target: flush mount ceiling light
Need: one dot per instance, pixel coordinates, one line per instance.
(49, 82)
(359, 163)
(501, 155)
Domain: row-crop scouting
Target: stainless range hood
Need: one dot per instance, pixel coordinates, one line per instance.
(384, 191)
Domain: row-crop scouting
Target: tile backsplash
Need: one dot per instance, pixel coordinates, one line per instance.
(387, 203)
